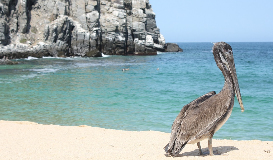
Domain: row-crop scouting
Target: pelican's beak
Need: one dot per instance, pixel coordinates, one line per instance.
(236, 85)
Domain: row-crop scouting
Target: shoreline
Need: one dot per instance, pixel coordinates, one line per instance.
(29, 140)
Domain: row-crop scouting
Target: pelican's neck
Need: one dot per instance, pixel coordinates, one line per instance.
(228, 88)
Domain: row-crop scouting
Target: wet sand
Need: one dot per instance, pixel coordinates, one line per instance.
(28, 140)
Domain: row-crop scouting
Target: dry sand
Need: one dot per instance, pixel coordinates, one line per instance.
(32, 141)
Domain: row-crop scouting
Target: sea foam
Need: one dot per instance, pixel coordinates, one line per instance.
(30, 58)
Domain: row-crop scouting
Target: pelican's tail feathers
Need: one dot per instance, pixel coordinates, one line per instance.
(166, 148)
(175, 148)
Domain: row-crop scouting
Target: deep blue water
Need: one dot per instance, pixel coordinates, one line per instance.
(95, 91)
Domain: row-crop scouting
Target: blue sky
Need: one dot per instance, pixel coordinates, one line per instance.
(214, 20)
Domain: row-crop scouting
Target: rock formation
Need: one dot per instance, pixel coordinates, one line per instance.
(6, 61)
(78, 28)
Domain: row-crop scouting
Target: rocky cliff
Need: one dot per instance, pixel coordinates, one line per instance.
(78, 28)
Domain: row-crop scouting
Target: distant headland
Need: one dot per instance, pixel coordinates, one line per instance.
(85, 28)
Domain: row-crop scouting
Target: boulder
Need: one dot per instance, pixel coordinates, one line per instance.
(172, 47)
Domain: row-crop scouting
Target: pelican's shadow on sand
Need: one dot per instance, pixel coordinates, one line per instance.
(216, 151)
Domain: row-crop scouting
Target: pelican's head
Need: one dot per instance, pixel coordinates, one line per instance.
(223, 56)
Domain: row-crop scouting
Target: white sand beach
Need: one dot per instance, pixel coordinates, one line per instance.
(32, 141)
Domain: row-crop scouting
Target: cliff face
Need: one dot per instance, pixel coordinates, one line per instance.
(78, 28)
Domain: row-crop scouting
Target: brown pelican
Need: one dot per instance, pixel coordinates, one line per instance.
(201, 118)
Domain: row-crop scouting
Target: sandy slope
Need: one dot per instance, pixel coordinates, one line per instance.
(27, 140)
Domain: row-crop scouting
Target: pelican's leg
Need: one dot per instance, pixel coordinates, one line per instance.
(200, 150)
(210, 147)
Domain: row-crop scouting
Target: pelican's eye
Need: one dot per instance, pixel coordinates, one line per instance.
(229, 54)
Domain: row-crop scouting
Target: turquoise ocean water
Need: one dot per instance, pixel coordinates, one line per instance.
(95, 91)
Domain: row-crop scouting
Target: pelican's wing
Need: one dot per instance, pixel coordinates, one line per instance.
(179, 136)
